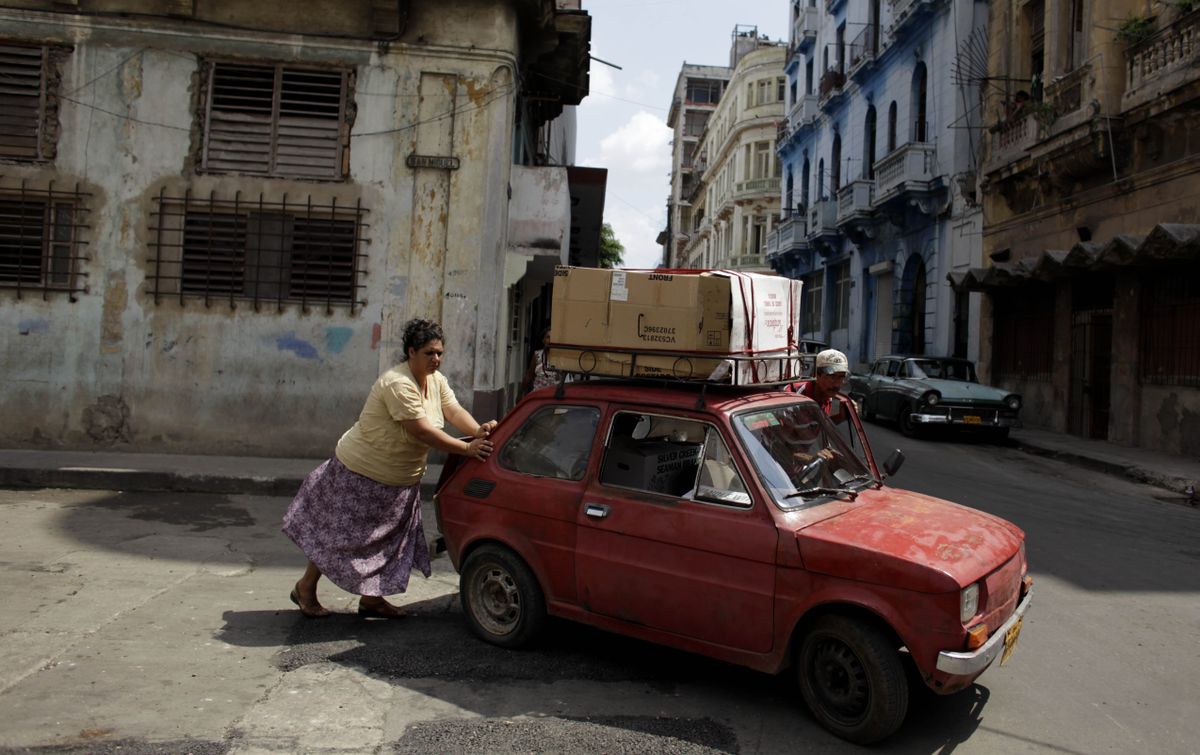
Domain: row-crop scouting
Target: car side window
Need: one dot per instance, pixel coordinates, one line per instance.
(893, 367)
(555, 441)
(719, 480)
(653, 452)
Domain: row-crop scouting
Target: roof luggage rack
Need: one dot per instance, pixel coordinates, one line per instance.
(693, 367)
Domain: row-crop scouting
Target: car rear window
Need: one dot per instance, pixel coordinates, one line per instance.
(556, 441)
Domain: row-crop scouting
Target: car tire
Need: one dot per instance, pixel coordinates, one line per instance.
(501, 598)
(852, 679)
(907, 426)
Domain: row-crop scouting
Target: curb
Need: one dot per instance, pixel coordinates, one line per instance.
(1132, 472)
(142, 481)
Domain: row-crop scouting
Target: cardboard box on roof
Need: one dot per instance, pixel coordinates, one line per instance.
(598, 317)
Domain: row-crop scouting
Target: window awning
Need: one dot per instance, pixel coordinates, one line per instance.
(1168, 242)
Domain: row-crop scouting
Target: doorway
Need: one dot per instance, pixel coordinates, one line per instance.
(1090, 393)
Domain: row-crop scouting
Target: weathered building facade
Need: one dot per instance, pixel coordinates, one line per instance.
(733, 197)
(698, 89)
(1092, 233)
(880, 147)
(216, 216)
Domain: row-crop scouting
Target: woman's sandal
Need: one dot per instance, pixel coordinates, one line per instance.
(319, 612)
(381, 610)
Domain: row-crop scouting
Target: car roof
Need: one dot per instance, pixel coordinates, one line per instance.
(669, 395)
(922, 356)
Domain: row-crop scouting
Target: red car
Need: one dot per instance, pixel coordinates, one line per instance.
(739, 524)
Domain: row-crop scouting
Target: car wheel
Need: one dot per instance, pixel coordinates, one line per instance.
(501, 598)
(852, 679)
(907, 426)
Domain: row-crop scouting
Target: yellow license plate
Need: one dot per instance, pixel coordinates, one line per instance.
(1010, 640)
(971, 419)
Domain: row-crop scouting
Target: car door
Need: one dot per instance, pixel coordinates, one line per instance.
(539, 474)
(870, 388)
(888, 390)
(669, 538)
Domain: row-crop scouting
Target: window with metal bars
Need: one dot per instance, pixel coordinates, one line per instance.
(40, 240)
(1170, 327)
(812, 302)
(268, 253)
(276, 120)
(29, 79)
(841, 294)
(1023, 333)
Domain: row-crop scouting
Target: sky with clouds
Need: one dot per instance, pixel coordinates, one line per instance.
(622, 124)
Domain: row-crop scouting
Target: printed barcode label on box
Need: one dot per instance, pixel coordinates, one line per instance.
(619, 291)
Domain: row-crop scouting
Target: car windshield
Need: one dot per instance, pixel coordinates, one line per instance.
(799, 455)
(942, 369)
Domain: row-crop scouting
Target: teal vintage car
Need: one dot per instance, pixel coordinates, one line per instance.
(919, 392)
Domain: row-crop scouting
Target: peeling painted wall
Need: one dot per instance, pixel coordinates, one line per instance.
(117, 369)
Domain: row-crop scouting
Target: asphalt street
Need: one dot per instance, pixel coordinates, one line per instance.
(159, 622)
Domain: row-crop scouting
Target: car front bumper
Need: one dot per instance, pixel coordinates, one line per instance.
(949, 419)
(973, 662)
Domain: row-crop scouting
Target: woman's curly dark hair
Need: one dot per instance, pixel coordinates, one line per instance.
(418, 332)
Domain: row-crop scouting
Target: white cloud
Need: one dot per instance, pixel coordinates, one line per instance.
(601, 86)
(637, 231)
(640, 146)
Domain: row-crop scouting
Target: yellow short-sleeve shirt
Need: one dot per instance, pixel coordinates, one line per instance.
(377, 446)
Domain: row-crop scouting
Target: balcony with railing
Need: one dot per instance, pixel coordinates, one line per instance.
(855, 201)
(756, 189)
(1166, 61)
(749, 262)
(804, 28)
(830, 88)
(905, 14)
(1011, 141)
(909, 172)
(863, 50)
(822, 223)
(1067, 93)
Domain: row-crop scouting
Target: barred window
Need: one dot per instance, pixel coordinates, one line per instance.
(1170, 327)
(276, 120)
(29, 78)
(812, 301)
(40, 239)
(841, 293)
(1023, 334)
(262, 252)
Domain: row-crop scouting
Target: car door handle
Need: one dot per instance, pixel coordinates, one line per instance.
(595, 510)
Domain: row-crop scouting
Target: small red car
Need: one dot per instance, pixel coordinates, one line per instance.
(737, 523)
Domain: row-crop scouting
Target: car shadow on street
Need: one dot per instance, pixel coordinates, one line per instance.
(434, 643)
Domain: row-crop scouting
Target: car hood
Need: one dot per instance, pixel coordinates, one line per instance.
(961, 391)
(907, 540)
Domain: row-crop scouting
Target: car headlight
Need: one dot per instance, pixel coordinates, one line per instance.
(932, 398)
(968, 602)
(1013, 402)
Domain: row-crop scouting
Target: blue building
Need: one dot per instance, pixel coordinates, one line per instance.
(879, 150)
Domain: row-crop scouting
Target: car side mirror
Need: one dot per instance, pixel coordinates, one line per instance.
(893, 463)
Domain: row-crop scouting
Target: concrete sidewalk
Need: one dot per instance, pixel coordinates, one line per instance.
(1178, 474)
(115, 470)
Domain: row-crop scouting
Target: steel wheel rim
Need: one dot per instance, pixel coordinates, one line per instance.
(496, 600)
(839, 681)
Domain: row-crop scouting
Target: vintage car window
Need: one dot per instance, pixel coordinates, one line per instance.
(799, 455)
(555, 442)
(893, 367)
(654, 452)
(719, 480)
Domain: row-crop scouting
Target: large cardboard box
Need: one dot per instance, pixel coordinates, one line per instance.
(661, 324)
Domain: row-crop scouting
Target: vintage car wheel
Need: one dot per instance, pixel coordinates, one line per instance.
(501, 598)
(852, 679)
(907, 426)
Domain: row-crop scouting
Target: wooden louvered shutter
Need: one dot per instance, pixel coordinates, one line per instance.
(22, 76)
